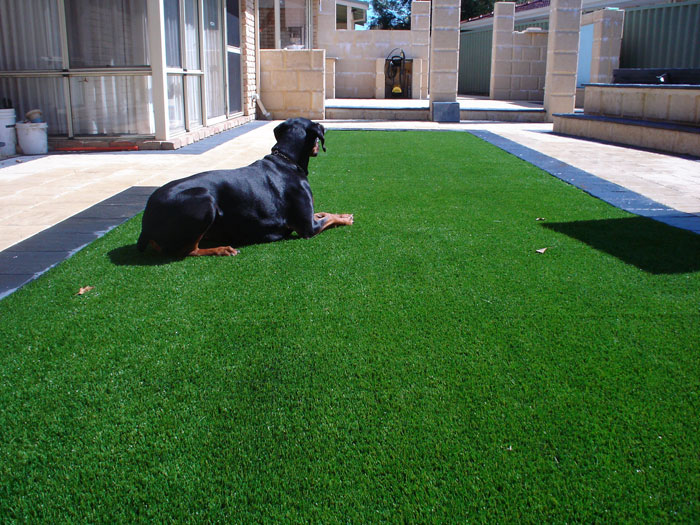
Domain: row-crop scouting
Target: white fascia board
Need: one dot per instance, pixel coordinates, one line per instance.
(543, 12)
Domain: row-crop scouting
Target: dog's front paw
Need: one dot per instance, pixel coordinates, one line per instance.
(226, 251)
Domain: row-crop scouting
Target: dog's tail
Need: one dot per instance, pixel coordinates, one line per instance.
(142, 242)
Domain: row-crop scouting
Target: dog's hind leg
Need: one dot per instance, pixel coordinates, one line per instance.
(201, 212)
(219, 250)
(177, 224)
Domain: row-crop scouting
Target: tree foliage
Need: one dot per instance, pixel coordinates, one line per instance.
(390, 14)
(396, 14)
(472, 8)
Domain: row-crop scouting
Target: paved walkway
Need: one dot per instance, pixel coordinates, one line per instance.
(53, 205)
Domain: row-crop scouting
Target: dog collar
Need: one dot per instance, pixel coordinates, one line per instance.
(286, 157)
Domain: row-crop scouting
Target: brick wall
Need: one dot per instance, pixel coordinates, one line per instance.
(248, 56)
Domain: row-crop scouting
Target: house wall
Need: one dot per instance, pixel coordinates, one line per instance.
(292, 82)
(356, 52)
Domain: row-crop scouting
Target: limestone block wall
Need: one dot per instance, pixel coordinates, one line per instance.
(444, 55)
(502, 50)
(678, 104)
(293, 83)
(356, 52)
(518, 58)
(330, 77)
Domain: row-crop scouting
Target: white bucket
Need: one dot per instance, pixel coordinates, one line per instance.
(7, 132)
(33, 137)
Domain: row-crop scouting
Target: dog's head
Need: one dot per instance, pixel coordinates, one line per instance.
(298, 138)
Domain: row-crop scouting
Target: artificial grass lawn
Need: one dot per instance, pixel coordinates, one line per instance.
(423, 365)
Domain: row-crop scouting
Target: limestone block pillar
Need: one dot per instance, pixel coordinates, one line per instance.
(562, 56)
(502, 50)
(607, 41)
(420, 32)
(379, 78)
(444, 61)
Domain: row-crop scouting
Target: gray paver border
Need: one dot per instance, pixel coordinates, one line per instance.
(28, 259)
(607, 191)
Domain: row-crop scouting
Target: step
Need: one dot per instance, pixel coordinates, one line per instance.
(376, 113)
(504, 115)
(421, 113)
(649, 134)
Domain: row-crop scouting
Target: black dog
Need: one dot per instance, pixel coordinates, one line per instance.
(263, 202)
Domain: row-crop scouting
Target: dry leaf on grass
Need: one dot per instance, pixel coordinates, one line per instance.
(84, 289)
(541, 250)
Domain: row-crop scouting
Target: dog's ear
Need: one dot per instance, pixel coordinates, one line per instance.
(319, 132)
(281, 130)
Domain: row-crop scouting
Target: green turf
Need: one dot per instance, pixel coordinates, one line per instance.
(424, 365)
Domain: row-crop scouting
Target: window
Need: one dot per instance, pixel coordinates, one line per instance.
(182, 63)
(101, 86)
(350, 15)
(106, 34)
(86, 64)
(284, 24)
(213, 62)
(233, 55)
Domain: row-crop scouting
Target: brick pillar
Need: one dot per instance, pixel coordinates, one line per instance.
(502, 50)
(562, 56)
(248, 52)
(444, 61)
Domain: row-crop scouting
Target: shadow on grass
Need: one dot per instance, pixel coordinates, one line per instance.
(649, 245)
(129, 255)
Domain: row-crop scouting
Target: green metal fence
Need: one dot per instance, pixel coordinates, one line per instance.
(475, 62)
(662, 36)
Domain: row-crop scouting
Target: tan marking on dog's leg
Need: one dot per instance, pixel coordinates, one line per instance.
(196, 251)
(153, 244)
(219, 250)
